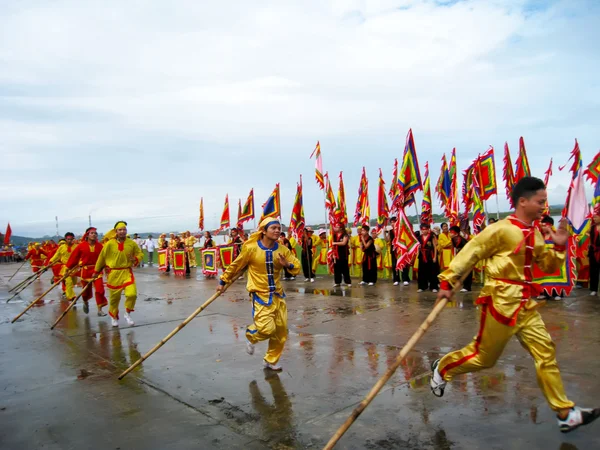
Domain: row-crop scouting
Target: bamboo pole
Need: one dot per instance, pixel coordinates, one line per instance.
(175, 331)
(73, 303)
(390, 372)
(24, 286)
(69, 272)
(26, 280)
(20, 267)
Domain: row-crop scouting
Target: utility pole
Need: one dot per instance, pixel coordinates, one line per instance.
(56, 218)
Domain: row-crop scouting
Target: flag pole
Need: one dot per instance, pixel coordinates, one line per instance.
(497, 207)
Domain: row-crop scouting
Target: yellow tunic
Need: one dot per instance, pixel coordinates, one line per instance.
(445, 250)
(116, 257)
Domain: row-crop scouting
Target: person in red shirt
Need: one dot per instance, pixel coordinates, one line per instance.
(86, 255)
(36, 254)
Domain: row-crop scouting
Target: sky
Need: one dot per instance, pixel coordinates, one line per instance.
(135, 110)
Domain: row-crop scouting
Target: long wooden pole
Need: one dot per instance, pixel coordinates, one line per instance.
(20, 267)
(24, 286)
(26, 280)
(390, 372)
(174, 332)
(72, 303)
(44, 294)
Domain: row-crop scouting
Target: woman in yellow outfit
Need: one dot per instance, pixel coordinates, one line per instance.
(357, 256)
(63, 254)
(265, 259)
(382, 253)
(445, 248)
(119, 255)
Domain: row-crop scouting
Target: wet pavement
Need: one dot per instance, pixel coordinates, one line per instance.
(59, 389)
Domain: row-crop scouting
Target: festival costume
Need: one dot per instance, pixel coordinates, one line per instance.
(37, 256)
(86, 256)
(507, 308)
(115, 257)
(341, 267)
(445, 252)
(189, 247)
(428, 266)
(594, 258)
(357, 256)
(307, 256)
(369, 262)
(269, 310)
(63, 254)
(317, 245)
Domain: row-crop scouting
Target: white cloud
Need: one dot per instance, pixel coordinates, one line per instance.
(157, 104)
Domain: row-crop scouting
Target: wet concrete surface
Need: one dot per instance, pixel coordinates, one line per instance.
(59, 389)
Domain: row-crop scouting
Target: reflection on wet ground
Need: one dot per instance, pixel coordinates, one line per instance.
(341, 341)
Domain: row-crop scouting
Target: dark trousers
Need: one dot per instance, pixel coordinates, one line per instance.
(307, 264)
(369, 266)
(428, 272)
(468, 283)
(406, 273)
(150, 258)
(341, 269)
(594, 274)
(395, 272)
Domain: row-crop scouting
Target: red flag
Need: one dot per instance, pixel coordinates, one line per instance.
(297, 222)
(8, 234)
(547, 175)
(318, 166)
(426, 215)
(225, 215)
(201, 218)
(363, 210)
(508, 174)
(341, 201)
(383, 210)
(522, 162)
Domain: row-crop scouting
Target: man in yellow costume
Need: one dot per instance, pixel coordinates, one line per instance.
(63, 254)
(189, 248)
(511, 247)
(445, 248)
(265, 259)
(119, 255)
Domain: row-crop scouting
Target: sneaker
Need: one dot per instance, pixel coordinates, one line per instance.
(593, 293)
(463, 290)
(86, 307)
(312, 280)
(396, 283)
(275, 367)
(249, 348)
(541, 297)
(129, 319)
(114, 322)
(293, 278)
(558, 297)
(405, 283)
(336, 285)
(101, 313)
(434, 291)
(362, 283)
(577, 417)
(306, 280)
(371, 284)
(436, 382)
(349, 285)
(285, 278)
(419, 290)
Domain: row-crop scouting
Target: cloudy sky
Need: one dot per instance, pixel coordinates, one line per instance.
(136, 109)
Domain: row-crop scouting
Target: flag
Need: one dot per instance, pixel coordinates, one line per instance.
(239, 223)
(363, 210)
(318, 166)
(442, 187)
(405, 242)
(522, 169)
(467, 186)
(508, 174)
(297, 223)
(478, 208)
(8, 234)
(576, 208)
(225, 215)
(409, 177)
(383, 210)
(201, 218)
(426, 216)
(454, 200)
(341, 201)
(394, 187)
(272, 207)
(248, 209)
(547, 176)
(486, 172)
(330, 202)
(592, 172)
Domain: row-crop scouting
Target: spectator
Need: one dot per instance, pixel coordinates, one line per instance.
(150, 246)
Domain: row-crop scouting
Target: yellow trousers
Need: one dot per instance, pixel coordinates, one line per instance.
(488, 345)
(270, 322)
(70, 283)
(192, 257)
(114, 298)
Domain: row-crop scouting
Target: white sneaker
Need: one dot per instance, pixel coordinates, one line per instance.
(312, 280)
(306, 280)
(275, 367)
(405, 283)
(578, 417)
(101, 313)
(249, 348)
(293, 278)
(419, 290)
(396, 283)
(593, 293)
(371, 284)
(463, 290)
(362, 283)
(349, 285)
(114, 322)
(436, 382)
(558, 297)
(541, 297)
(434, 291)
(129, 319)
(336, 285)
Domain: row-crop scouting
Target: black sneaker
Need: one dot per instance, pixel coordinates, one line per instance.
(578, 417)
(436, 383)
(86, 307)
